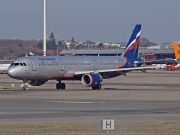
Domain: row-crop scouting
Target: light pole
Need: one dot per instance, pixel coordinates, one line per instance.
(44, 44)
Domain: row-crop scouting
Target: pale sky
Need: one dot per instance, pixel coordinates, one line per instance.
(96, 20)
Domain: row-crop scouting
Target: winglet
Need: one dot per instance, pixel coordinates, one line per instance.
(176, 50)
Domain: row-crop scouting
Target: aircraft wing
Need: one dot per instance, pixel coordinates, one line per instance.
(160, 61)
(143, 69)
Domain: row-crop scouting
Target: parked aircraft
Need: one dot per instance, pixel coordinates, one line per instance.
(176, 50)
(90, 70)
(170, 64)
(3, 68)
(177, 54)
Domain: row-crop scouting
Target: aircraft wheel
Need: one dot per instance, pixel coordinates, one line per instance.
(94, 87)
(63, 86)
(58, 86)
(24, 88)
(98, 87)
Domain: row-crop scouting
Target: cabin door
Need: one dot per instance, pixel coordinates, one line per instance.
(33, 63)
(61, 66)
(95, 65)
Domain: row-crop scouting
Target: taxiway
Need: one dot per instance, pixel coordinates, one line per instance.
(138, 97)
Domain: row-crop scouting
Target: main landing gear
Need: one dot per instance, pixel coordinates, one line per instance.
(60, 86)
(25, 87)
(96, 87)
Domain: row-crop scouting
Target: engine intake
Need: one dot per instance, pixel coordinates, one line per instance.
(91, 79)
(37, 82)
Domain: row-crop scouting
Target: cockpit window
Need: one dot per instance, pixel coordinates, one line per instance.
(24, 64)
(12, 64)
(16, 64)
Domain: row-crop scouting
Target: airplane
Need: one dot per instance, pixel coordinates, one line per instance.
(90, 70)
(3, 68)
(176, 64)
(176, 51)
(169, 63)
(177, 54)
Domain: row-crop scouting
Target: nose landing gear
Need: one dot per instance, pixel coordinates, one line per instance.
(25, 87)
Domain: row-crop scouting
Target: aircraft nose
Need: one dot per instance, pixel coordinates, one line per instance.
(11, 72)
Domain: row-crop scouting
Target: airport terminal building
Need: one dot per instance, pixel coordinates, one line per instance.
(145, 54)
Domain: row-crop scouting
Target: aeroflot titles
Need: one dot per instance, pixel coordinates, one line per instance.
(41, 59)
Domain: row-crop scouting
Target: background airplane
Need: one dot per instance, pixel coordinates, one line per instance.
(3, 68)
(176, 51)
(172, 64)
(90, 70)
(176, 64)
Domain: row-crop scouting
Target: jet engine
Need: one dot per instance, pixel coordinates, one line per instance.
(91, 79)
(138, 64)
(37, 82)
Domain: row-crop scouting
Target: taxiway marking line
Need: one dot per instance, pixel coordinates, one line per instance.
(71, 102)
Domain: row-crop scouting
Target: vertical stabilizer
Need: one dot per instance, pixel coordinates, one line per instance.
(132, 47)
(176, 50)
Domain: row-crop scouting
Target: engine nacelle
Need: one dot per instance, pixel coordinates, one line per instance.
(137, 64)
(37, 82)
(91, 79)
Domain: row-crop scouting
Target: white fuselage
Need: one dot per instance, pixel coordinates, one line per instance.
(62, 66)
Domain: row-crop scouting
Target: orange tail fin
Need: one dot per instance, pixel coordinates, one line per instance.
(176, 50)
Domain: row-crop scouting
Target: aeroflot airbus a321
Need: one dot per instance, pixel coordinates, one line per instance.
(90, 70)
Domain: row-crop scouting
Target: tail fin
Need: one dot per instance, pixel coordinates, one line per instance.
(176, 50)
(132, 47)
